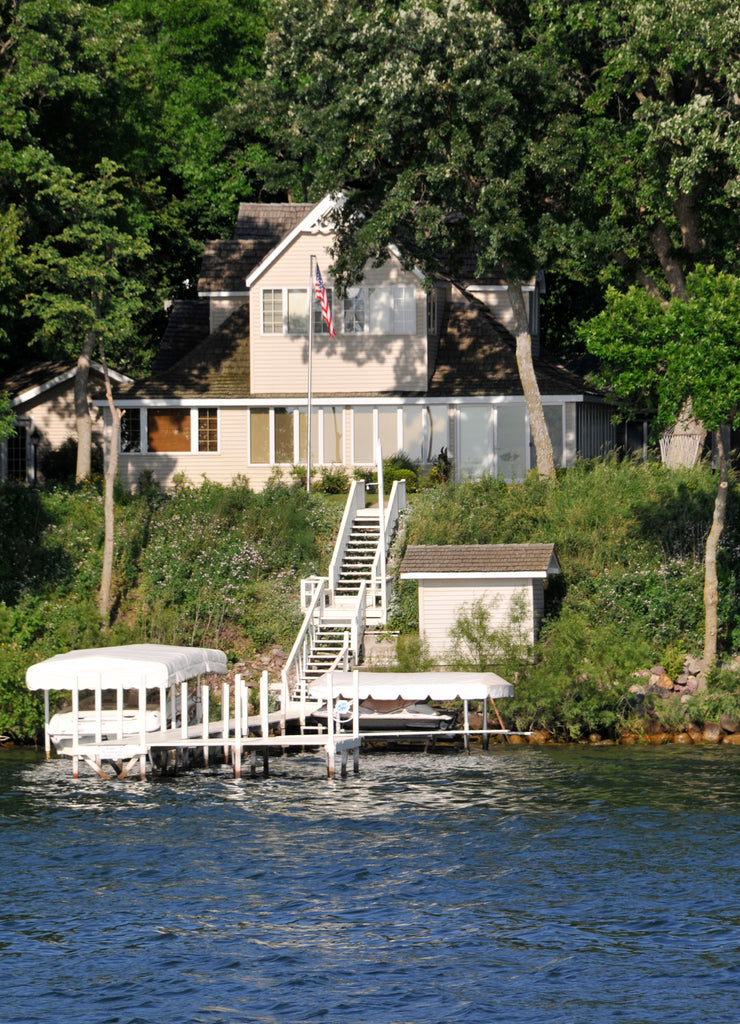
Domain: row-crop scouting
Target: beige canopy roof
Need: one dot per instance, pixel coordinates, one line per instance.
(414, 685)
(128, 667)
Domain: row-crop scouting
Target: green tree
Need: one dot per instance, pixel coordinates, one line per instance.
(154, 89)
(444, 129)
(659, 118)
(666, 354)
(199, 54)
(7, 417)
(83, 287)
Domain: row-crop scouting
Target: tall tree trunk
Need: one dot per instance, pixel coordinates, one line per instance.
(711, 588)
(106, 576)
(525, 365)
(82, 409)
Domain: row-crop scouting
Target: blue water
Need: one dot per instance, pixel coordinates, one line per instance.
(521, 885)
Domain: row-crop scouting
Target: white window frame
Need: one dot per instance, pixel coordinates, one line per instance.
(271, 328)
(296, 413)
(387, 309)
(319, 324)
(194, 431)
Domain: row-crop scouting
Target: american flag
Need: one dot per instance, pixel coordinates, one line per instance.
(323, 301)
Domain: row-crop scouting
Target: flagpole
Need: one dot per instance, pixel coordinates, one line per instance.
(310, 361)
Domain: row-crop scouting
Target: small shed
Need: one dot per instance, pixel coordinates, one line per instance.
(505, 577)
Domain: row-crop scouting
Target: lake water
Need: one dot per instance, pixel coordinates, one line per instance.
(573, 884)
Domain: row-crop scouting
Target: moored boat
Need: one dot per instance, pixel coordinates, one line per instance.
(394, 715)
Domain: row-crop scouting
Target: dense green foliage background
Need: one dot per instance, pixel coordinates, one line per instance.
(221, 566)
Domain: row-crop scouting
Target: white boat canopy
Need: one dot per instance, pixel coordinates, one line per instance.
(413, 685)
(128, 668)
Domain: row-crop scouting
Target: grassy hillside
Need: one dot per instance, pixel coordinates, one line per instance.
(630, 540)
(220, 566)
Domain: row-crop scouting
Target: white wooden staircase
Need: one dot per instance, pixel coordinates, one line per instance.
(338, 607)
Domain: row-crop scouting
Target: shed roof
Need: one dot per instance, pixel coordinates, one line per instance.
(456, 561)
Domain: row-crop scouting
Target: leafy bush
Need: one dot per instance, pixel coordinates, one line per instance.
(479, 646)
(60, 464)
(412, 654)
(332, 480)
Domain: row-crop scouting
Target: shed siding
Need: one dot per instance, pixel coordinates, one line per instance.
(442, 601)
(349, 363)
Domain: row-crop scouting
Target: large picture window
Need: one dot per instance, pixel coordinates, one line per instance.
(168, 430)
(387, 309)
(280, 435)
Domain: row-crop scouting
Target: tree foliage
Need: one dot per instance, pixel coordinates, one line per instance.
(657, 356)
(657, 85)
(153, 90)
(673, 353)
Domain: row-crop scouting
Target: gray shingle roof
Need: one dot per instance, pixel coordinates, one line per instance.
(259, 228)
(218, 367)
(188, 323)
(479, 558)
(477, 357)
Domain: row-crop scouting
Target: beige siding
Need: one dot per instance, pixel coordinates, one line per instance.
(53, 414)
(221, 467)
(442, 601)
(349, 364)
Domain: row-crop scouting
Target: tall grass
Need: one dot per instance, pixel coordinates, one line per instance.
(220, 566)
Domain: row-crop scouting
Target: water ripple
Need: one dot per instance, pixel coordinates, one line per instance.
(521, 885)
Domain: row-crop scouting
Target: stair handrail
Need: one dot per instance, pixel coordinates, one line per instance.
(297, 659)
(378, 580)
(355, 502)
(359, 615)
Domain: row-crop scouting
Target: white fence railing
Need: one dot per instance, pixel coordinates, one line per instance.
(377, 596)
(294, 670)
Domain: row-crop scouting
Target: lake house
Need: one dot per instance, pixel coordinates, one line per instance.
(418, 369)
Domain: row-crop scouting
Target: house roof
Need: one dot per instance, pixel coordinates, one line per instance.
(477, 356)
(314, 217)
(188, 324)
(33, 380)
(217, 367)
(260, 228)
(455, 561)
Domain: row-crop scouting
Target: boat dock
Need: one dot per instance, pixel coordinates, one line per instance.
(181, 728)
